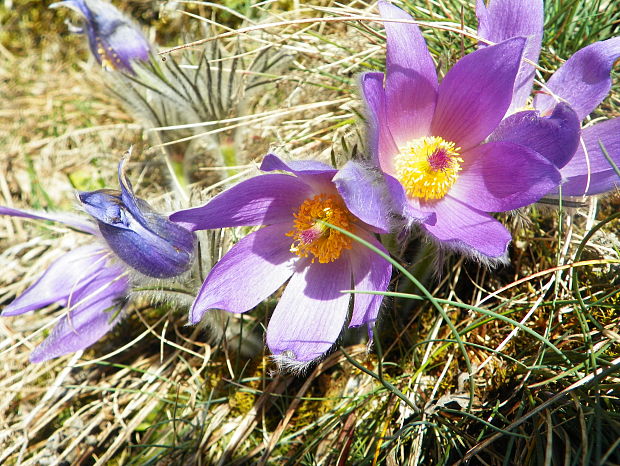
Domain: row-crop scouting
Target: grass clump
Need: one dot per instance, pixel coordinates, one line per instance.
(515, 366)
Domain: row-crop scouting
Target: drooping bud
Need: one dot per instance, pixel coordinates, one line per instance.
(114, 39)
(141, 237)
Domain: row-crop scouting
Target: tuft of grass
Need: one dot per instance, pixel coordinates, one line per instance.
(518, 365)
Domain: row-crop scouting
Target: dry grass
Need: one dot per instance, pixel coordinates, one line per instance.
(540, 337)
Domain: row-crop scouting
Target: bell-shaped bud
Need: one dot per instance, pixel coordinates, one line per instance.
(141, 237)
(114, 39)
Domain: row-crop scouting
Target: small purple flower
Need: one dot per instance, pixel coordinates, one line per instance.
(86, 281)
(142, 238)
(318, 262)
(113, 38)
(430, 139)
(582, 82)
(90, 281)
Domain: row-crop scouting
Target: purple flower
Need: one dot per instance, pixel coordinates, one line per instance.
(582, 82)
(90, 281)
(318, 262)
(142, 238)
(113, 38)
(86, 281)
(429, 139)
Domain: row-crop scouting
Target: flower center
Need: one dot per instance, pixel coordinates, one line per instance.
(109, 58)
(428, 167)
(313, 238)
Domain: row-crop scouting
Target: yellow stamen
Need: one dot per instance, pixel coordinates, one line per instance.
(428, 167)
(109, 59)
(526, 108)
(313, 238)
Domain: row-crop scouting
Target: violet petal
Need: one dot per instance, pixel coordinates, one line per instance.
(96, 311)
(113, 38)
(147, 252)
(272, 162)
(104, 205)
(141, 237)
(261, 200)
(555, 137)
(371, 272)
(251, 271)
(468, 230)
(504, 19)
(67, 275)
(593, 174)
(311, 312)
(383, 148)
(312, 172)
(364, 194)
(501, 176)
(584, 80)
(476, 92)
(59, 217)
(411, 80)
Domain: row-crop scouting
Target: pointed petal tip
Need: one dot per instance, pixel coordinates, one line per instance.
(476, 93)
(299, 168)
(501, 20)
(584, 80)
(261, 200)
(388, 10)
(411, 79)
(195, 315)
(270, 160)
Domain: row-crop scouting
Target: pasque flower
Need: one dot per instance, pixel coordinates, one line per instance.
(142, 238)
(114, 39)
(582, 82)
(90, 281)
(430, 139)
(296, 245)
